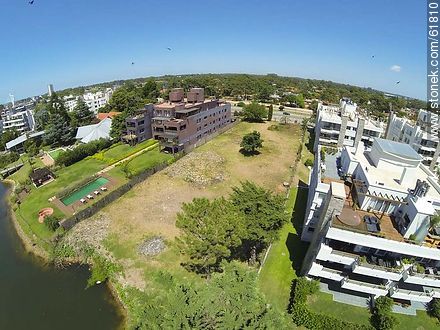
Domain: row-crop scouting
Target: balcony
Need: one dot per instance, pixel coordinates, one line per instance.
(389, 273)
(374, 289)
(318, 270)
(419, 296)
(413, 277)
(342, 257)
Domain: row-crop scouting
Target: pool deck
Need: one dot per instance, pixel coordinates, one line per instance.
(71, 209)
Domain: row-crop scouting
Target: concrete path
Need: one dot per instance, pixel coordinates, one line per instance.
(108, 168)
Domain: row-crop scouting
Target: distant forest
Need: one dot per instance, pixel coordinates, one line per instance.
(260, 87)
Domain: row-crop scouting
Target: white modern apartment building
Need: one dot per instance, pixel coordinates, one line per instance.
(21, 121)
(94, 101)
(98, 100)
(369, 230)
(70, 102)
(422, 135)
(344, 125)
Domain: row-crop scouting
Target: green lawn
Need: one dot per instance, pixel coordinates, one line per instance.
(38, 198)
(23, 173)
(323, 303)
(55, 153)
(121, 150)
(147, 160)
(285, 256)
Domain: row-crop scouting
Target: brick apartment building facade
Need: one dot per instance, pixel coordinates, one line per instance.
(138, 127)
(181, 122)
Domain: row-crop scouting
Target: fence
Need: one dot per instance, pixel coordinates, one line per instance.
(110, 197)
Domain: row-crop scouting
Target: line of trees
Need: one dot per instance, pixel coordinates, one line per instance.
(239, 227)
(69, 157)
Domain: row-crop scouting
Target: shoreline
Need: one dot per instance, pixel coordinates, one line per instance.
(32, 247)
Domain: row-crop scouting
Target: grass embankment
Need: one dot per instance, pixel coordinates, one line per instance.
(150, 208)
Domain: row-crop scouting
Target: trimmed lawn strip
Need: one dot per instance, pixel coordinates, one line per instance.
(282, 266)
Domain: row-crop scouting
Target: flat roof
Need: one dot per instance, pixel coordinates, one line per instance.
(389, 176)
(398, 148)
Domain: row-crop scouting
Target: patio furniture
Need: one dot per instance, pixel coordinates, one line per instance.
(89, 196)
(103, 188)
(83, 200)
(96, 192)
(367, 218)
(373, 227)
(380, 262)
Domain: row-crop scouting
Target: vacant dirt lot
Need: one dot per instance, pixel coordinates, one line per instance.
(150, 208)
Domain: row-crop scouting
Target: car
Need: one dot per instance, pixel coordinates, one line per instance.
(286, 113)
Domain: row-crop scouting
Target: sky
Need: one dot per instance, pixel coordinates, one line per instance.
(70, 43)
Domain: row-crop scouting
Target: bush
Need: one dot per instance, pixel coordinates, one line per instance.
(70, 157)
(52, 222)
(434, 308)
(8, 158)
(302, 316)
(381, 317)
(240, 104)
(102, 269)
(308, 162)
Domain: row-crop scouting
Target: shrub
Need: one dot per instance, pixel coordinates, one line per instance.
(52, 222)
(250, 143)
(434, 308)
(70, 157)
(308, 162)
(8, 158)
(241, 104)
(381, 317)
(102, 269)
(303, 316)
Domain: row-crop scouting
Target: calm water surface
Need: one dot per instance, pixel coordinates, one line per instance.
(33, 296)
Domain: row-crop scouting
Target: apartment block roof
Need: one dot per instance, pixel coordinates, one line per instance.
(398, 149)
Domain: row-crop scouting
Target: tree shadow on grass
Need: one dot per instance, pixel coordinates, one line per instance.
(297, 248)
(249, 153)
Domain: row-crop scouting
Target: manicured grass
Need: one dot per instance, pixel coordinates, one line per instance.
(38, 197)
(286, 254)
(23, 173)
(121, 150)
(322, 302)
(147, 160)
(55, 153)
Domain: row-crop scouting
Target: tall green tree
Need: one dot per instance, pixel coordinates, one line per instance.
(81, 114)
(7, 136)
(230, 300)
(58, 129)
(254, 112)
(263, 214)
(250, 143)
(270, 113)
(209, 231)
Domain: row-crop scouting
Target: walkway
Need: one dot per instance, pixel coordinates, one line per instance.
(110, 167)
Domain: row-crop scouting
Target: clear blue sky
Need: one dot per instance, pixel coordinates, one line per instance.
(79, 42)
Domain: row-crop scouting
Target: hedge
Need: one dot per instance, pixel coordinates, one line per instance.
(303, 316)
(82, 151)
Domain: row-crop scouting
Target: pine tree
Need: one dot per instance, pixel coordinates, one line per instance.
(210, 231)
(81, 114)
(263, 215)
(58, 129)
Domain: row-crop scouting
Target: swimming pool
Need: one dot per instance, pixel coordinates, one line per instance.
(84, 191)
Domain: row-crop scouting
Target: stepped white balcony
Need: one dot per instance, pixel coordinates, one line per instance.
(364, 268)
(412, 295)
(318, 270)
(374, 289)
(413, 277)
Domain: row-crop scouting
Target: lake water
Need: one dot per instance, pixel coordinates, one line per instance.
(33, 296)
